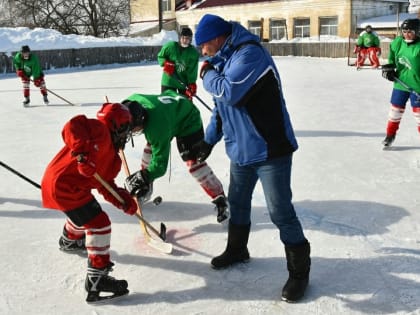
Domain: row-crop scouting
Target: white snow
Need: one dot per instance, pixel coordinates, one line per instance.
(358, 205)
(11, 39)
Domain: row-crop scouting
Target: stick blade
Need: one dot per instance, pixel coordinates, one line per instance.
(160, 245)
(162, 233)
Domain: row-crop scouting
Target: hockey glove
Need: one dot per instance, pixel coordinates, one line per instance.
(130, 205)
(38, 81)
(203, 150)
(20, 73)
(138, 183)
(206, 66)
(169, 67)
(388, 72)
(85, 166)
(191, 90)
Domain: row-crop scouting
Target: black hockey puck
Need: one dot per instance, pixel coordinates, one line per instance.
(157, 200)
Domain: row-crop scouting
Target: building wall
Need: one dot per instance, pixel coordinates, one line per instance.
(347, 12)
(147, 10)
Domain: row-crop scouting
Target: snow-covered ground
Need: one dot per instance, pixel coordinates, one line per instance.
(358, 205)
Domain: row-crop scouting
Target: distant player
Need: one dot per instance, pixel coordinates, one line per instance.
(27, 65)
(368, 47)
(404, 64)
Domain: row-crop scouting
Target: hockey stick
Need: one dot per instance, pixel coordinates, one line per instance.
(118, 197)
(60, 97)
(195, 95)
(20, 175)
(161, 246)
(408, 88)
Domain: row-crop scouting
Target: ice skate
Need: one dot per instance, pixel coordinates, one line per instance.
(26, 101)
(46, 101)
(98, 281)
(69, 245)
(387, 142)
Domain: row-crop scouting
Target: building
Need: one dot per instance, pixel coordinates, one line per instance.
(271, 20)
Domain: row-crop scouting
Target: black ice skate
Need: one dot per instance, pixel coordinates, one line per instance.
(46, 101)
(69, 245)
(26, 101)
(387, 142)
(221, 208)
(98, 281)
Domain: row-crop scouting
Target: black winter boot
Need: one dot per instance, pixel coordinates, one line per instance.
(236, 250)
(298, 264)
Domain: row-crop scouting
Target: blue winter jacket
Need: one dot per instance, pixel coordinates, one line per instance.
(250, 110)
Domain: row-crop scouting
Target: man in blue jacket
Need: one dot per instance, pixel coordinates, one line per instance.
(251, 116)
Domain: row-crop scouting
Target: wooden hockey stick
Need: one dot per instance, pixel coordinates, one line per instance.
(162, 233)
(60, 97)
(159, 245)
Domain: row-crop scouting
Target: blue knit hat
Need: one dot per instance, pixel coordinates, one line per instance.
(210, 27)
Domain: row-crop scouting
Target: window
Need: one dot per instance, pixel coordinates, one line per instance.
(302, 27)
(328, 25)
(278, 29)
(166, 5)
(255, 27)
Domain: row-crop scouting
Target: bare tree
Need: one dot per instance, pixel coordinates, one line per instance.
(99, 18)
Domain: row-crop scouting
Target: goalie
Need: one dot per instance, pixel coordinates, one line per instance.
(368, 47)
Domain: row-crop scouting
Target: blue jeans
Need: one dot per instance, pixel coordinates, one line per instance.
(275, 179)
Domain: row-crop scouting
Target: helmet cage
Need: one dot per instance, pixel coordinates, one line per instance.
(118, 120)
(138, 114)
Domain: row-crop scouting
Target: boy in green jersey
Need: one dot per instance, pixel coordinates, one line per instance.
(403, 69)
(368, 47)
(180, 65)
(161, 118)
(27, 65)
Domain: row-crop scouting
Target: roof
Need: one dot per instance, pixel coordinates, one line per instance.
(180, 5)
(386, 21)
(216, 3)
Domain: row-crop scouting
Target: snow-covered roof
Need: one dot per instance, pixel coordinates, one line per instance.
(386, 21)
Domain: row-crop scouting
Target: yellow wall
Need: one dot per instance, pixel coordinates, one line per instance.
(348, 13)
(148, 10)
(287, 10)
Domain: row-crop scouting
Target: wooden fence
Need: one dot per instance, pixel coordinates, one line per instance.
(70, 58)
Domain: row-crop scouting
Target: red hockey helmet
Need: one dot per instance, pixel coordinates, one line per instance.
(118, 120)
(115, 116)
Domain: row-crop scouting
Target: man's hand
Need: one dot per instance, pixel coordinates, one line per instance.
(169, 67)
(205, 67)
